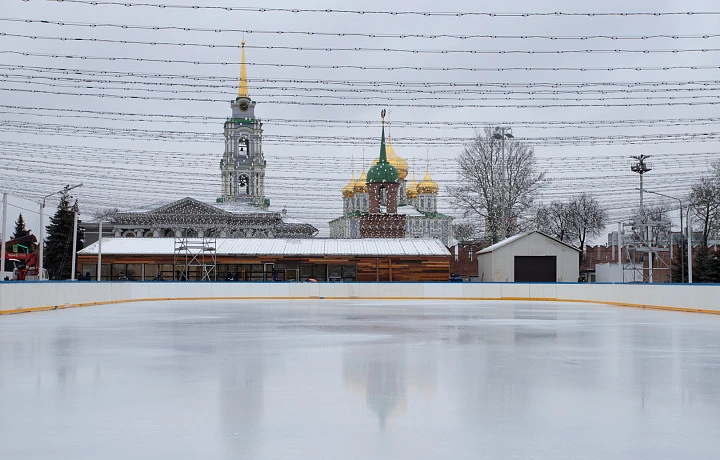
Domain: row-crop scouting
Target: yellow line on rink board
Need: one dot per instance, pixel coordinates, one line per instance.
(386, 298)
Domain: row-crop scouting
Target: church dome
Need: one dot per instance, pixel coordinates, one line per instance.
(348, 190)
(412, 191)
(360, 185)
(427, 185)
(382, 171)
(396, 160)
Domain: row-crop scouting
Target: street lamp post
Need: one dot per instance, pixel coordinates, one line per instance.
(682, 261)
(65, 189)
(4, 233)
(690, 248)
(502, 132)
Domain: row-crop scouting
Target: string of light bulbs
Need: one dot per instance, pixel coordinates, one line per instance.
(491, 14)
(371, 84)
(361, 49)
(366, 67)
(374, 35)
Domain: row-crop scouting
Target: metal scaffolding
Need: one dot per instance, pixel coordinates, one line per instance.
(195, 258)
(640, 247)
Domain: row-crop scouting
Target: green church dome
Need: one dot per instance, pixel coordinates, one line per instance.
(383, 171)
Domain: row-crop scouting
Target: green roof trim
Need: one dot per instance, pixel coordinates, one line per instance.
(242, 121)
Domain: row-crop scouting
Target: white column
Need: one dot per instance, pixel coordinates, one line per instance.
(99, 262)
(4, 233)
(690, 248)
(41, 241)
(74, 247)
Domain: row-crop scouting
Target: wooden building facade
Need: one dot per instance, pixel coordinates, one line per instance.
(367, 260)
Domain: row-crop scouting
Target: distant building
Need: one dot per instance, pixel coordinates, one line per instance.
(413, 207)
(463, 259)
(242, 209)
(529, 257)
(193, 218)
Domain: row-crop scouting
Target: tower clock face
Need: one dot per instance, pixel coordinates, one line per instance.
(244, 106)
(243, 180)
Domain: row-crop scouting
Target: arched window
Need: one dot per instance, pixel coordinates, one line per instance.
(244, 181)
(244, 146)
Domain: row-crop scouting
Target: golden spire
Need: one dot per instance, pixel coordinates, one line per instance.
(361, 184)
(348, 190)
(427, 185)
(243, 90)
(412, 188)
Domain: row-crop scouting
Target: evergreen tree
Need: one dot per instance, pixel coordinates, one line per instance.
(58, 248)
(678, 269)
(702, 270)
(22, 234)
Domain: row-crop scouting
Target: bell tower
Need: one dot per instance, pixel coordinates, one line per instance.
(243, 165)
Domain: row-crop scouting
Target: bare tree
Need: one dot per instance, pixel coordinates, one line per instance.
(105, 214)
(499, 195)
(705, 201)
(587, 218)
(572, 221)
(555, 220)
(463, 231)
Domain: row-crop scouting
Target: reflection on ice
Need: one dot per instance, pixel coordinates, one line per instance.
(358, 379)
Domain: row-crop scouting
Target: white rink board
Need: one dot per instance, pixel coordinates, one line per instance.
(20, 295)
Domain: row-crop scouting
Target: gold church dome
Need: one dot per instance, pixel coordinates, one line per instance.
(348, 190)
(427, 185)
(361, 184)
(396, 160)
(412, 191)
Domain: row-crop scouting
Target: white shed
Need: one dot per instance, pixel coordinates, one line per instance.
(529, 257)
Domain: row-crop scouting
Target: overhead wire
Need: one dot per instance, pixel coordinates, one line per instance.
(272, 90)
(676, 101)
(361, 49)
(636, 68)
(368, 84)
(374, 35)
(422, 122)
(492, 14)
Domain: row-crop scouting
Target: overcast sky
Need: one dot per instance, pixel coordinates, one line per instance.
(140, 122)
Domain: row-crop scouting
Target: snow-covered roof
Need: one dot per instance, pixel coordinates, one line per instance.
(409, 211)
(509, 240)
(280, 246)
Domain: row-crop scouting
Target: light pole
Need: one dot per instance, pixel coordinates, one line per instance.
(641, 168)
(690, 249)
(4, 234)
(502, 132)
(65, 189)
(682, 261)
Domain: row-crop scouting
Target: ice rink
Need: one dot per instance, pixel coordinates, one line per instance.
(359, 380)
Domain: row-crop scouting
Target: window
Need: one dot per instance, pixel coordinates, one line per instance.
(244, 146)
(470, 255)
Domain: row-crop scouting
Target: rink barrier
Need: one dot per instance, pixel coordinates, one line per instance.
(24, 297)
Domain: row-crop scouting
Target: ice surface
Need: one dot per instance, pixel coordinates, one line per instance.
(359, 380)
